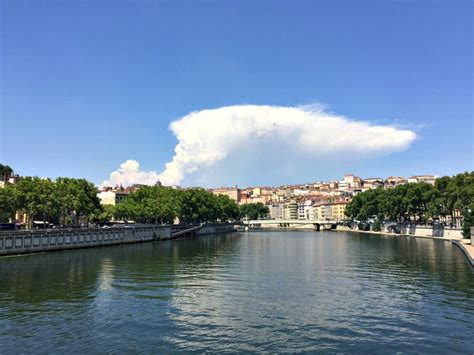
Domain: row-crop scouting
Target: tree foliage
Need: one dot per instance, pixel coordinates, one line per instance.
(5, 171)
(417, 202)
(254, 210)
(63, 201)
(67, 201)
(159, 204)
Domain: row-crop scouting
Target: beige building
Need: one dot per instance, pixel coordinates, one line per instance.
(262, 199)
(373, 183)
(244, 198)
(276, 211)
(322, 211)
(338, 210)
(392, 181)
(290, 210)
(233, 192)
(351, 182)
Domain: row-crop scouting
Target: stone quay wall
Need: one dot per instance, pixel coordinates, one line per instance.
(216, 229)
(440, 232)
(21, 242)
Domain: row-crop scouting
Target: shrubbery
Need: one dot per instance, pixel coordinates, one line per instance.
(376, 226)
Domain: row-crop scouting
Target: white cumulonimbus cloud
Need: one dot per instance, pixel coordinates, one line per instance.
(224, 145)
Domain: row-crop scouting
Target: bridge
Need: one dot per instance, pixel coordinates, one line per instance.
(287, 223)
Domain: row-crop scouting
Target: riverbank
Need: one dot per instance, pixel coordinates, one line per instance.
(395, 234)
(25, 242)
(438, 232)
(463, 244)
(467, 249)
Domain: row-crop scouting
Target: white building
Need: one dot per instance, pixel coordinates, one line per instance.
(301, 192)
(308, 210)
(301, 214)
(430, 179)
(112, 197)
(373, 183)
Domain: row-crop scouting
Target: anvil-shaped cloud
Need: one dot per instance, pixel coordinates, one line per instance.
(222, 145)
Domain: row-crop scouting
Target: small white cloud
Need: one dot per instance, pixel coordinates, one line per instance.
(129, 173)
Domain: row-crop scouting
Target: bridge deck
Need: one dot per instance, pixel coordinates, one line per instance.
(289, 221)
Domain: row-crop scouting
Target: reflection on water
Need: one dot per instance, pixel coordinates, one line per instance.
(259, 291)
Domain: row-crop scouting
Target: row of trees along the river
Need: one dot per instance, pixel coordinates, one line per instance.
(67, 201)
(159, 204)
(62, 201)
(418, 202)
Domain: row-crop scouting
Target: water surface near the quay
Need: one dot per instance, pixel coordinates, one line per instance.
(258, 291)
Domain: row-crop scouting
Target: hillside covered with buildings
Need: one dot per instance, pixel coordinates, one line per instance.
(318, 200)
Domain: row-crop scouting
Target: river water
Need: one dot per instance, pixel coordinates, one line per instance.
(257, 291)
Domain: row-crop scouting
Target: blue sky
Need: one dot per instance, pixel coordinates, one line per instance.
(86, 85)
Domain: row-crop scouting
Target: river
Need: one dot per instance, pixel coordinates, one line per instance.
(257, 291)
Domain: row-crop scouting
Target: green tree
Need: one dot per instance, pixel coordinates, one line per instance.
(416, 200)
(199, 205)
(366, 205)
(8, 203)
(468, 223)
(103, 215)
(5, 171)
(254, 210)
(228, 208)
(391, 204)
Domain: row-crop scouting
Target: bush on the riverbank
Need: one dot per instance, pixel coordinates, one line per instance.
(363, 226)
(376, 226)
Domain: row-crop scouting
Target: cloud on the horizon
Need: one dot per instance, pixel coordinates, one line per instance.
(222, 145)
(129, 173)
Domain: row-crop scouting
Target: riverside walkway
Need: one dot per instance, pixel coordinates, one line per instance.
(22, 242)
(467, 247)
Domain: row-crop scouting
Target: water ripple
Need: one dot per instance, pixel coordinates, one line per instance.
(252, 292)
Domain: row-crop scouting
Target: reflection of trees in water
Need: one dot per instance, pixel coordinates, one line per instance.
(406, 257)
(78, 275)
(58, 276)
(75, 275)
(162, 261)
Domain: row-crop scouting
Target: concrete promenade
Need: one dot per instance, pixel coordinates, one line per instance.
(467, 247)
(447, 234)
(24, 242)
